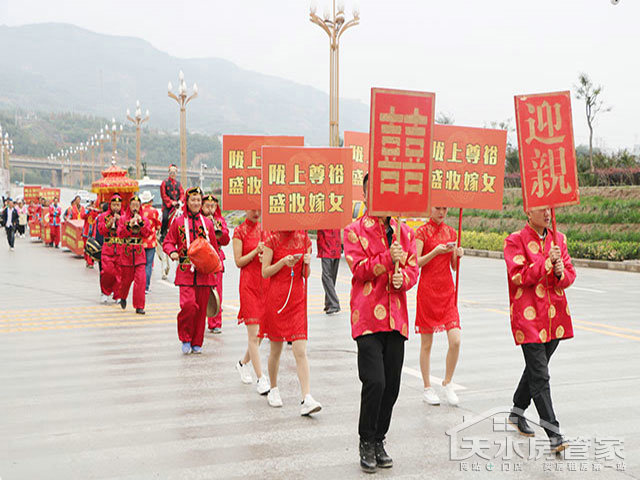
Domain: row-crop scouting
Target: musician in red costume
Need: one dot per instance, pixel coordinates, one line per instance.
(55, 220)
(75, 210)
(195, 287)
(132, 229)
(90, 217)
(110, 258)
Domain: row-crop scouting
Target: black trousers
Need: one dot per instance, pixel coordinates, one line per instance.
(329, 277)
(165, 223)
(534, 384)
(380, 359)
(21, 229)
(11, 235)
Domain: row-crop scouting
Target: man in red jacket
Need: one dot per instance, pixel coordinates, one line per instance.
(110, 257)
(538, 272)
(373, 246)
(171, 192)
(329, 252)
(132, 229)
(195, 287)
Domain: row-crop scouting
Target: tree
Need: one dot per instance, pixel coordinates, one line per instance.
(444, 118)
(585, 90)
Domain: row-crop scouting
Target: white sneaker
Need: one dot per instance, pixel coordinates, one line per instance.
(273, 397)
(104, 298)
(452, 398)
(245, 372)
(262, 385)
(430, 396)
(309, 406)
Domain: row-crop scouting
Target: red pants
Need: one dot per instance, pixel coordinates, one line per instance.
(110, 275)
(216, 322)
(138, 276)
(55, 235)
(193, 310)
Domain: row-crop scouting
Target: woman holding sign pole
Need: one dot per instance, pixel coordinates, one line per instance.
(285, 261)
(436, 299)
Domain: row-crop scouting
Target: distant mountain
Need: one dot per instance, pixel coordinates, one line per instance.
(60, 67)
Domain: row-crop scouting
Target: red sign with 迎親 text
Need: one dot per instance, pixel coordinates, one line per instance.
(548, 164)
(306, 188)
(242, 168)
(400, 165)
(468, 167)
(359, 143)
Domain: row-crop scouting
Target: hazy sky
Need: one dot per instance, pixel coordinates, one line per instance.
(475, 54)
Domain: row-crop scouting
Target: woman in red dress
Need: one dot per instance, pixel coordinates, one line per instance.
(437, 311)
(285, 261)
(247, 247)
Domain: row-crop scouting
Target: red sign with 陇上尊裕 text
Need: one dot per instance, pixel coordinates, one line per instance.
(242, 167)
(359, 143)
(306, 188)
(31, 193)
(468, 167)
(400, 166)
(548, 164)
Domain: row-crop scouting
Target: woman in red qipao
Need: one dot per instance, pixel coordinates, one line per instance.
(285, 262)
(247, 249)
(436, 302)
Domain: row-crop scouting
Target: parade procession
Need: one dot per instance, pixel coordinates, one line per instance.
(395, 300)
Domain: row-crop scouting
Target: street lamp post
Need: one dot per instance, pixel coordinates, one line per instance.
(102, 139)
(183, 98)
(203, 167)
(138, 120)
(114, 132)
(334, 26)
(6, 146)
(91, 144)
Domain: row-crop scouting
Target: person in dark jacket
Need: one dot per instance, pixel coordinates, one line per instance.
(9, 220)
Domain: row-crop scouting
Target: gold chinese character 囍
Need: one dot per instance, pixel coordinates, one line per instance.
(277, 173)
(358, 177)
(236, 159)
(277, 203)
(297, 173)
(391, 133)
(454, 154)
(473, 153)
(471, 181)
(336, 174)
(438, 151)
(490, 154)
(236, 186)
(296, 202)
(413, 182)
(436, 179)
(335, 202)
(358, 153)
(452, 180)
(316, 203)
(389, 181)
(254, 161)
(542, 125)
(316, 174)
(487, 183)
(254, 185)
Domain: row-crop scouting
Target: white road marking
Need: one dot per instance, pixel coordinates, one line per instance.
(434, 380)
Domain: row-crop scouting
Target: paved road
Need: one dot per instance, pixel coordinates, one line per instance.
(89, 391)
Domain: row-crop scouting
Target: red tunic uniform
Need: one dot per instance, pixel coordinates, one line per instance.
(285, 317)
(170, 191)
(436, 297)
(329, 244)
(90, 217)
(132, 259)
(110, 275)
(539, 309)
(223, 239)
(252, 285)
(55, 220)
(152, 216)
(195, 287)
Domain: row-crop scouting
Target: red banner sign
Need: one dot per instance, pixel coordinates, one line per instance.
(72, 236)
(547, 155)
(31, 193)
(306, 188)
(241, 168)
(401, 136)
(468, 167)
(50, 194)
(359, 143)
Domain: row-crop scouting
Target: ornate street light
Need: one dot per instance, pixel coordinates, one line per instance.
(138, 120)
(114, 131)
(183, 98)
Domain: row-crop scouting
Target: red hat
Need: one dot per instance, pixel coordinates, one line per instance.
(115, 198)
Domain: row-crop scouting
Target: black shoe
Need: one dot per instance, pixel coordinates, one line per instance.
(123, 303)
(383, 460)
(557, 443)
(333, 311)
(368, 462)
(521, 424)
(140, 311)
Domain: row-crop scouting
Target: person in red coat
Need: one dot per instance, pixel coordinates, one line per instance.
(90, 217)
(211, 210)
(329, 252)
(538, 272)
(195, 287)
(171, 192)
(285, 262)
(436, 299)
(132, 229)
(110, 258)
(150, 242)
(55, 221)
(373, 246)
(248, 246)
(75, 210)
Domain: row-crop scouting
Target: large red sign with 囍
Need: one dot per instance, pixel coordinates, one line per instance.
(242, 167)
(400, 168)
(547, 155)
(468, 167)
(306, 188)
(31, 194)
(359, 144)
